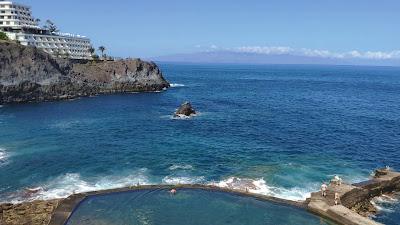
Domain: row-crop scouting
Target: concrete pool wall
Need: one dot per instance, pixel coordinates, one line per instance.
(57, 212)
(68, 205)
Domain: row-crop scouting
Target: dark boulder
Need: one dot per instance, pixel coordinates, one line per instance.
(185, 109)
(381, 172)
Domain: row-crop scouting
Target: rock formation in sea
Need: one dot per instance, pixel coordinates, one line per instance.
(28, 74)
(185, 109)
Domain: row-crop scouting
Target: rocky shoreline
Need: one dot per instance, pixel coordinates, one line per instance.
(28, 74)
(28, 213)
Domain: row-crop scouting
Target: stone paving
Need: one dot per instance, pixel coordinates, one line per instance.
(350, 195)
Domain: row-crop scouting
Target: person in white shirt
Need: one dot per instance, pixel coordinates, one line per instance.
(336, 198)
(337, 180)
(324, 187)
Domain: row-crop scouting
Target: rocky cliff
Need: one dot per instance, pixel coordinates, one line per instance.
(29, 74)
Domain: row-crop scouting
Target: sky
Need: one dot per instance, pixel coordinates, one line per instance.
(146, 28)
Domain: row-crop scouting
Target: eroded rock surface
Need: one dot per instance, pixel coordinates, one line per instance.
(185, 109)
(30, 74)
(29, 213)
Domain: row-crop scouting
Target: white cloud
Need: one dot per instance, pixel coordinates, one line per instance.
(264, 50)
(214, 47)
(283, 50)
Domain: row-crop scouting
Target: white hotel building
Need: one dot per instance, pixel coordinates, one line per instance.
(17, 22)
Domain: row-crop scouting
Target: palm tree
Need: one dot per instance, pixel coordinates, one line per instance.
(92, 50)
(51, 26)
(102, 49)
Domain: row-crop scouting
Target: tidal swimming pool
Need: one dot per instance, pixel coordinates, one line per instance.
(187, 207)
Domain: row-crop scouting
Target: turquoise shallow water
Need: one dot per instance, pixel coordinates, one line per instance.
(186, 207)
(281, 130)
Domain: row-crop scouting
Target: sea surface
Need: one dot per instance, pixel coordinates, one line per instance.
(280, 130)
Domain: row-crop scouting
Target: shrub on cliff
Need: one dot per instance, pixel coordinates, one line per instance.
(3, 36)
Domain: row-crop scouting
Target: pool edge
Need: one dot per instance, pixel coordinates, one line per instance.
(68, 205)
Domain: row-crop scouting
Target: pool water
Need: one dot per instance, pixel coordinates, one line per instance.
(187, 207)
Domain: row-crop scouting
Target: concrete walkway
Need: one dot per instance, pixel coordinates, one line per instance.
(351, 195)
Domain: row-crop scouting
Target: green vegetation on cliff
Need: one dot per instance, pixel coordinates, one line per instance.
(3, 36)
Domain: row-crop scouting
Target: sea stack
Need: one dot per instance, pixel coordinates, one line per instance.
(185, 110)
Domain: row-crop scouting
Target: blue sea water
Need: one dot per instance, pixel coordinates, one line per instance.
(283, 128)
(188, 206)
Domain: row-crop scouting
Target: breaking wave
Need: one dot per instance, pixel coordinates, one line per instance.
(176, 85)
(181, 167)
(385, 203)
(184, 117)
(183, 180)
(259, 186)
(3, 156)
(72, 183)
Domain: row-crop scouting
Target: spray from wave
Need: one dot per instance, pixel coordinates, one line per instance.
(72, 183)
(259, 186)
(385, 203)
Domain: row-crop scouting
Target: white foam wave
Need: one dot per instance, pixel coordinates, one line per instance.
(181, 167)
(3, 155)
(173, 85)
(183, 180)
(259, 186)
(73, 183)
(384, 203)
(173, 117)
(184, 117)
(181, 117)
(386, 199)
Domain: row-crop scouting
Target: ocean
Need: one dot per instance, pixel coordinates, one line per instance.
(284, 128)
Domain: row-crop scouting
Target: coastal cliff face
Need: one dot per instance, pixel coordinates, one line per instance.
(28, 74)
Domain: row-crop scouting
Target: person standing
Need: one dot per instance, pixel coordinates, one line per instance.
(337, 198)
(324, 187)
